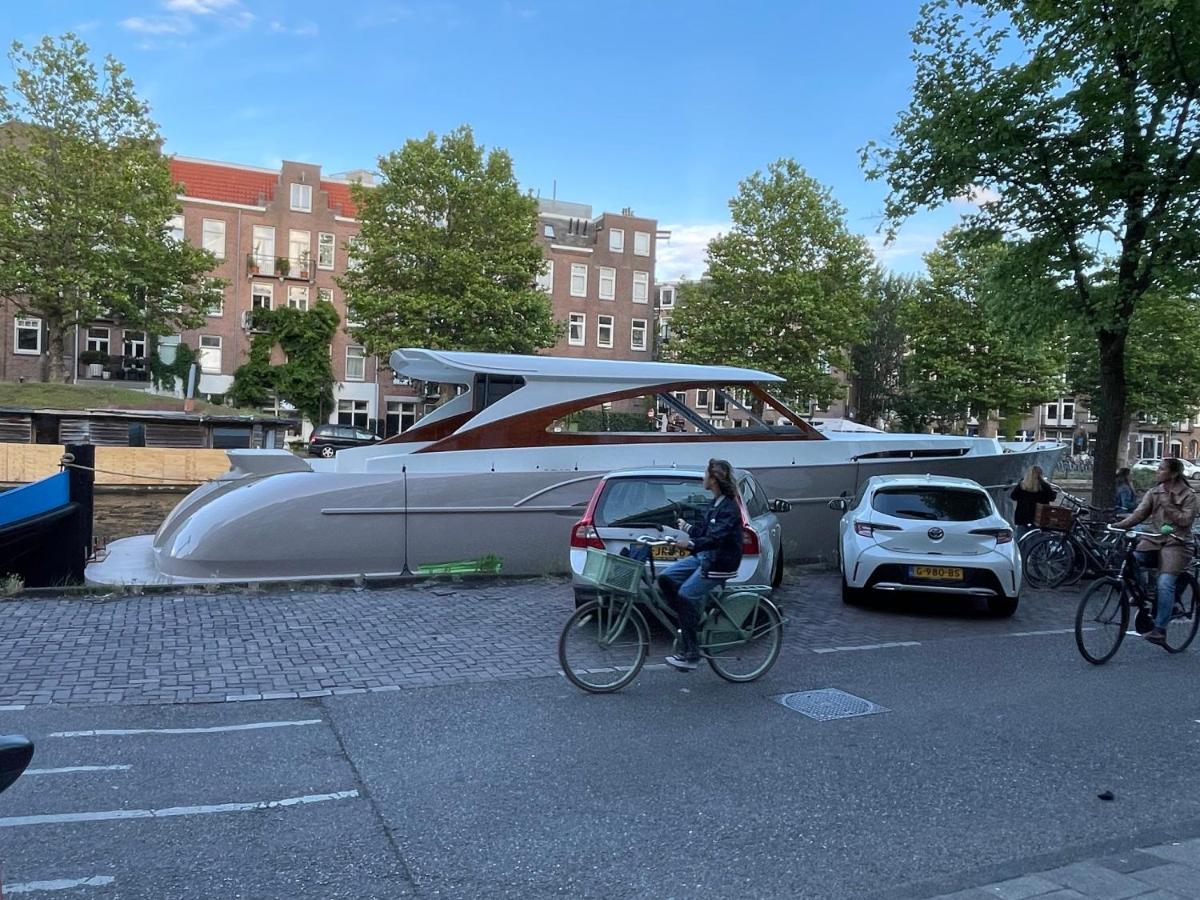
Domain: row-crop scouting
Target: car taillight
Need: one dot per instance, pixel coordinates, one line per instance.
(585, 537)
(313, 439)
(1003, 536)
(864, 529)
(749, 542)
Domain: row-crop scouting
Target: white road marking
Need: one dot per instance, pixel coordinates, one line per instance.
(58, 884)
(249, 726)
(115, 814)
(886, 646)
(66, 770)
(1047, 631)
(16, 707)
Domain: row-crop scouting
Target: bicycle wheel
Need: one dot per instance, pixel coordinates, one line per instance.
(1101, 620)
(1079, 562)
(603, 646)
(738, 658)
(1185, 618)
(1049, 561)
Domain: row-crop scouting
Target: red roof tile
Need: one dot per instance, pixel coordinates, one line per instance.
(339, 195)
(227, 183)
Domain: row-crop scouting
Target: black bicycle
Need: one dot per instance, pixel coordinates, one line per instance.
(1103, 615)
(1056, 558)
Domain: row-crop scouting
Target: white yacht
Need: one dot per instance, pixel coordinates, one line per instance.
(508, 465)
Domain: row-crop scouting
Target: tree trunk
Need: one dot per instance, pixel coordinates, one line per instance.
(56, 356)
(1112, 397)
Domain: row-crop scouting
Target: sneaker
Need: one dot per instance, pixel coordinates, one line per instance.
(682, 663)
(1156, 636)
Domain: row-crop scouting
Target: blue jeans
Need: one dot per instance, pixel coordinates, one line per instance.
(685, 588)
(1148, 559)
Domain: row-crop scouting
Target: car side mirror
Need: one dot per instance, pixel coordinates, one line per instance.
(779, 506)
(839, 504)
(15, 754)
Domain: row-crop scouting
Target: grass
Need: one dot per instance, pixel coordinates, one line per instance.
(38, 395)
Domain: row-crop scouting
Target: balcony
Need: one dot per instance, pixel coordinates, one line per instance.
(116, 368)
(290, 268)
(251, 322)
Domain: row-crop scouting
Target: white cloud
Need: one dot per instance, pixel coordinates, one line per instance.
(198, 7)
(903, 246)
(976, 195)
(157, 24)
(684, 254)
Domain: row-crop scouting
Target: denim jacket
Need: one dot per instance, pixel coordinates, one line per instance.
(717, 538)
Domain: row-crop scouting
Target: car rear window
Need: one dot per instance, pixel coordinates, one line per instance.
(631, 502)
(933, 504)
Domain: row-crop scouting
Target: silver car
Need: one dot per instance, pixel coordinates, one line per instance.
(634, 502)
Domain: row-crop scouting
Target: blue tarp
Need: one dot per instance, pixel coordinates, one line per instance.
(34, 499)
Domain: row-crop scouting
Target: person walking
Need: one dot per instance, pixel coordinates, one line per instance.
(1032, 490)
(1126, 496)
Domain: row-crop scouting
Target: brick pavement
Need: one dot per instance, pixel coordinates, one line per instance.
(202, 647)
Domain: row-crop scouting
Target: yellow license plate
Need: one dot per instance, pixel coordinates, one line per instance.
(671, 553)
(938, 573)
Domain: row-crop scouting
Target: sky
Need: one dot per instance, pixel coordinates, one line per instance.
(659, 105)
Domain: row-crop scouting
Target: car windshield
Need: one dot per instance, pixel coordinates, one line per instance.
(933, 504)
(651, 501)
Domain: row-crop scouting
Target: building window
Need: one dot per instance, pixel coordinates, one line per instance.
(608, 283)
(302, 197)
(702, 399)
(326, 250)
(264, 247)
(260, 296)
(299, 249)
(666, 297)
(401, 416)
(637, 335)
(1068, 411)
(719, 407)
(641, 243)
(664, 331)
(604, 331)
(356, 363)
(214, 237)
(324, 295)
(577, 330)
(353, 412)
(545, 280)
(641, 287)
(175, 228)
(548, 231)
(578, 280)
(298, 297)
(133, 344)
(27, 336)
(210, 354)
(97, 340)
(616, 240)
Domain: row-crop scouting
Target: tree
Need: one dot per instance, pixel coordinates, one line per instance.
(85, 198)
(446, 255)
(876, 362)
(786, 286)
(1079, 125)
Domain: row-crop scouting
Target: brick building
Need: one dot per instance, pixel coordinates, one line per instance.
(1070, 420)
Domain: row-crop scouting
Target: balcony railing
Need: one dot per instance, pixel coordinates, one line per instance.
(117, 368)
(294, 268)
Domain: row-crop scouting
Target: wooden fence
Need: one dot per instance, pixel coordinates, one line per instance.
(21, 463)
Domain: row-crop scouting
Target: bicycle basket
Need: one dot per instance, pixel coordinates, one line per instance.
(611, 572)
(1057, 518)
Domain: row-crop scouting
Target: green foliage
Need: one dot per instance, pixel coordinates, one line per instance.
(165, 375)
(876, 361)
(786, 290)
(306, 379)
(85, 195)
(1079, 125)
(600, 420)
(446, 256)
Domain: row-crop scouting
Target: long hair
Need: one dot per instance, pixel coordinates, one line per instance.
(1033, 480)
(722, 473)
(1175, 467)
(1123, 476)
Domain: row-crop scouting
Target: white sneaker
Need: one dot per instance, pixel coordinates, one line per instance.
(680, 664)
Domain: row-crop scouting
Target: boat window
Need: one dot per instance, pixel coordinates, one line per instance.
(635, 414)
(935, 504)
(490, 388)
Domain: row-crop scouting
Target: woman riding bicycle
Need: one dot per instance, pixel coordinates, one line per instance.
(716, 544)
(1171, 508)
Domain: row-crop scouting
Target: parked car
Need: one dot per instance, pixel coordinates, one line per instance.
(15, 754)
(929, 534)
(1190, 469)
(327, 440)
(634, 502)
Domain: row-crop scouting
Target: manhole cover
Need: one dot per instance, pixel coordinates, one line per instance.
(829, 703)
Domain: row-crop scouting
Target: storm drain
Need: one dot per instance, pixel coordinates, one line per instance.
(829, 703)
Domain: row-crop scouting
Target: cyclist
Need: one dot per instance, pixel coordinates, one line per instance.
(1171, 508)
(716, 545)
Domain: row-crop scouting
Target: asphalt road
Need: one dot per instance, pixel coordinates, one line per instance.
(987, 764)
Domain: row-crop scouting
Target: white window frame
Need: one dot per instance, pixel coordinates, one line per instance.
(720, 405)
(667, 290)
(299, 245)
(212, 237)
(205, 354)
(144, 341)
(27, 323)
(263, 246)
(702, 398)
(642, 280)
(579, 271)
(545, 280)
(301, 197)
(600, 326)
(616, 240)
(609, 275)
(259, 288)
(107, 339)
(400, 409)
(175, 227)
(325, 295)
(634, 327)
(548, 230)
(579, 319)
(641, 243)
(326, 242)
(359, 353)
(297, 294)
(218, 310)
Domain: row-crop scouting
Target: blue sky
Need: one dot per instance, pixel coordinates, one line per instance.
(661, 106)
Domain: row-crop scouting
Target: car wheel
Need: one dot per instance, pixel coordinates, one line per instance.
(1003, 607)
(851, 596)
(777, 573)
(327, 452)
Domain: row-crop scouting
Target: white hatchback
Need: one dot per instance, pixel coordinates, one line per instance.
(929, 534)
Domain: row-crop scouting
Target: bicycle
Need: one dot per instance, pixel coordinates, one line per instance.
(1102, 618)
(1055, 558)
(604, 644)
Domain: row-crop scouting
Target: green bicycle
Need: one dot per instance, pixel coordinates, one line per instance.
(605, 643)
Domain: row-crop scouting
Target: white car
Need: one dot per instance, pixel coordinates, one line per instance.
(928, 534)
(1190, 469)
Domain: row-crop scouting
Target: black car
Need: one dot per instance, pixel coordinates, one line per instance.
(327, 440)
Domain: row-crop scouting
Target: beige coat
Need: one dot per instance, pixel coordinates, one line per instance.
(1174, 504)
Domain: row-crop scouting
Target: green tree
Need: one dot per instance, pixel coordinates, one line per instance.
(1082, 122)
(446, 255)
(85, 197)
(876, 361)
(786, 286)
